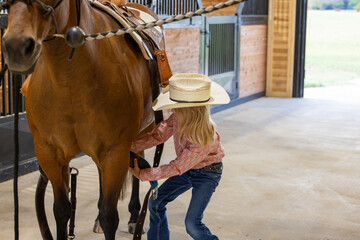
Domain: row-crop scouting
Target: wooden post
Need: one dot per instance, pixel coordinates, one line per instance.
(281, 46)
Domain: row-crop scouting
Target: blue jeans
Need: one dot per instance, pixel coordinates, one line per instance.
(203, 184)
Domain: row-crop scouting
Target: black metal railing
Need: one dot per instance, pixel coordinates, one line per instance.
(7, 84)
(222, 48)
(170, 7)
(255, 7)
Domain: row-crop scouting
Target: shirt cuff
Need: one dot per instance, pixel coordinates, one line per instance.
(144, 174)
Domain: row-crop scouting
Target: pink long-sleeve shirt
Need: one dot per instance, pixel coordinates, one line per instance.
(189, 155)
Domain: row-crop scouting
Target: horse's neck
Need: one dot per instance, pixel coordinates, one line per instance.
(56, 52)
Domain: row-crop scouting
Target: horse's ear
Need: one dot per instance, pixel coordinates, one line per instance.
(25, 86)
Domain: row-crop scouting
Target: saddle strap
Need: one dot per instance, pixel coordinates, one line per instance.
(71, 234)
(164, 67)
(141, 219)
(158, 152)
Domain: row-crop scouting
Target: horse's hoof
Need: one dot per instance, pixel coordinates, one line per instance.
(97, 228)
(131, 228)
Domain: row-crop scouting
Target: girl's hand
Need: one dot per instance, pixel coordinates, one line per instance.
(136, 170)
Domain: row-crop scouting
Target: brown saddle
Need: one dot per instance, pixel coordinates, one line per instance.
(151, 41)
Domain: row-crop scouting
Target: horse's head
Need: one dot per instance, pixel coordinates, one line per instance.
(29, 23)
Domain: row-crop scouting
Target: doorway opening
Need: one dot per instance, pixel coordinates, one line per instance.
(332, 50)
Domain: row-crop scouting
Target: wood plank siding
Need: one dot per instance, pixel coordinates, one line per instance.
(253, 49)
(229, 11)
(280, 59)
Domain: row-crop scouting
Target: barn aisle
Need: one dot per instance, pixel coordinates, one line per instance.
(291, 171)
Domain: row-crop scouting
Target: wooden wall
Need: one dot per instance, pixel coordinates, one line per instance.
(253, 47)
(183, 49)
(281, 45)
(229, 11)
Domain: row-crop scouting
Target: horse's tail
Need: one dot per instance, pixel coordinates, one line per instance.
(40, 206)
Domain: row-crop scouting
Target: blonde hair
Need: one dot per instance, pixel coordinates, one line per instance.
(195, 124)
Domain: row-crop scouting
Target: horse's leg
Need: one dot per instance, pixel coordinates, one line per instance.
(97, 228)
(133, 207)
(134, 204)
(113, 168)
(40, 206)
(57, 171)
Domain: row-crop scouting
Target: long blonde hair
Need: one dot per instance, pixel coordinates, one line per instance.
(195, 124)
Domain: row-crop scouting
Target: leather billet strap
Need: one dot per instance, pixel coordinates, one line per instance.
(158, 151)
(71, 234)
(141, 219)
(164, 67)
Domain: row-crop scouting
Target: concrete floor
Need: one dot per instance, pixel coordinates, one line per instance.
(291, 172)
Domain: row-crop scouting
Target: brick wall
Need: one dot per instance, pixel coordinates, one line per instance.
(183, 49)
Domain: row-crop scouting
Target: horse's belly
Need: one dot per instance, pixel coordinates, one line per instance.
(148, 118)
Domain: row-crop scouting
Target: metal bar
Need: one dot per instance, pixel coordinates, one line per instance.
(221, 49)
(199, 4)
(161, 6)
(219, 59)
(168, 11)
(16, 156)
(172, 7)
(181, 6)
(10, 93)
(226, 49)
(212, 48)
(3, 84)
(299, 56)
(167, 7)
(22, 97)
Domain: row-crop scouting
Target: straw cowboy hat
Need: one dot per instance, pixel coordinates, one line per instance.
(190, 90)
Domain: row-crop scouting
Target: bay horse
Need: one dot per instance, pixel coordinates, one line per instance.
(96, 104)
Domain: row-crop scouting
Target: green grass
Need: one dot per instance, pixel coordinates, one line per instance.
(332, 48)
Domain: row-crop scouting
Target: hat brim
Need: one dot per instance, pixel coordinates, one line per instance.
(218, 95)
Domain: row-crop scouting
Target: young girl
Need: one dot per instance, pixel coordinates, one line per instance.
(198, 164)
